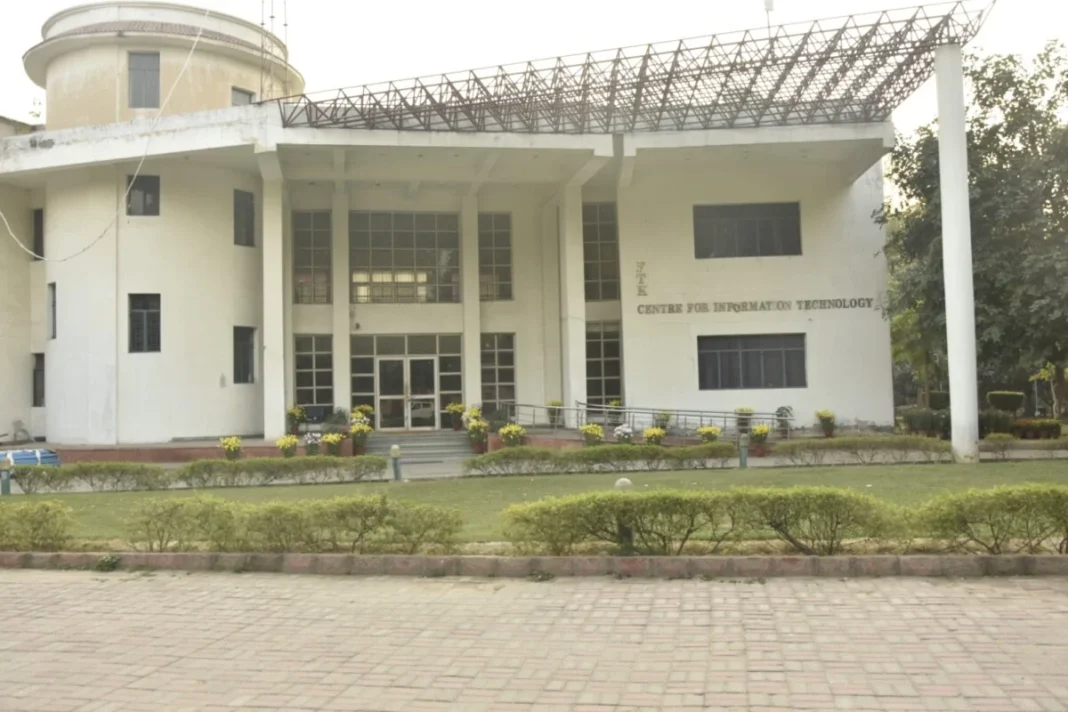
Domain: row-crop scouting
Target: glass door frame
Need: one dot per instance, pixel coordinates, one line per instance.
(407, 396)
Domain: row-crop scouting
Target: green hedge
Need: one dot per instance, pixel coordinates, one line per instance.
(1036, 428)
(812, 520)
(809, 520)
(34, 526)
(342, 524)
(1009, 401)
(116, 476)
(864, 449)
(599, 458)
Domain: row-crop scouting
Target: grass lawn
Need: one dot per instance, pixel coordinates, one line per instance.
(102, 515)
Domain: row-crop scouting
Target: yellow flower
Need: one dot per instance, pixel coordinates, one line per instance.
(654, 436)
(230, 444)
(709, 433)
(512, 434)
(287, 442)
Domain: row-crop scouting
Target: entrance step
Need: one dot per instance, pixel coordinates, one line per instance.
(422, 447)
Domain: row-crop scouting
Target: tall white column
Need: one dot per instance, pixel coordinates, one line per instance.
(340, 289)
(274, 361)
(572, 299)
(957, 253)
(470, 296)
(550, 299)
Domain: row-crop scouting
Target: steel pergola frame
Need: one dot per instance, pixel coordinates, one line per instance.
(845, 70)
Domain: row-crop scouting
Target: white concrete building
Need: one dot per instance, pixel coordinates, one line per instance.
(638, 226)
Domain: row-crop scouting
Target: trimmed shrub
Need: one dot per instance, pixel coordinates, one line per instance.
(341, 524)
(1041, 428)
(1002, 520)
(920, 421)
(938, 400)
(994, 421)
(35, 526)
(816, 520)
(999, 444)
(660, 522)
(1009, 401)
(599, 458)
(864, 449)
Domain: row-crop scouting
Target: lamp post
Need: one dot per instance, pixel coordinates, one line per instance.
(395, 458)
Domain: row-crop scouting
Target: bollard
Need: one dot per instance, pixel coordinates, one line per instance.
(394, 456)
(743, 452)
(5, 483)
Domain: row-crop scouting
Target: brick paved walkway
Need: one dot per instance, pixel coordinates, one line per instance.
(121, 641)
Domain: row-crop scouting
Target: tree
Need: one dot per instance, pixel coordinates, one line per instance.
(1018, 162)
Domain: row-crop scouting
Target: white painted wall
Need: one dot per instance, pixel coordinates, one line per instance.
(97, 390)
(848, 352)
(16, 364)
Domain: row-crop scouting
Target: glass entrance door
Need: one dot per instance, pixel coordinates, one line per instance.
(407, 393)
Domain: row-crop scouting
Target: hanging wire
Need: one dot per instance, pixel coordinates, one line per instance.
(140, 164)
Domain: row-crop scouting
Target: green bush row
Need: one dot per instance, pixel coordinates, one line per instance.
(599, 458)
(864, 449)
(34, 526)
(810, 520)
(342, 524)
(101, 476)
(927, 421)
(813, 520)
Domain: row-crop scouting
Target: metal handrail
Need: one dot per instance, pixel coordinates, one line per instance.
(677, 422)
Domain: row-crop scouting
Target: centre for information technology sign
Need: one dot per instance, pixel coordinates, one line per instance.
(757, 306)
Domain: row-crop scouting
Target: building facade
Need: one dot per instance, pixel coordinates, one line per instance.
(209, 267)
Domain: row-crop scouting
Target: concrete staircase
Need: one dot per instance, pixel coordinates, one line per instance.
(430, 447)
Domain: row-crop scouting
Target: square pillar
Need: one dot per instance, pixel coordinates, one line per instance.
(572, 300)
(342, 292)
(273, 359)
(471, 298)
(957, 253)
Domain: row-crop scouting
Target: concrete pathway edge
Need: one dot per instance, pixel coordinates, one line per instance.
(662, 567)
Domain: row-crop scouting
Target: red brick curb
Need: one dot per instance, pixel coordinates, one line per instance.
(666, 567)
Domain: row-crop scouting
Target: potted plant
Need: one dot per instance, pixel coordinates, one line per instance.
(654, 436)
(287, 445)
(512, 435)
(478, 433)
(332, 442)
(592, 433)
(231, 447)
(295, 417)
(359, 432)
(783, 415)
(709, 433)
(624, 434)
(742, 417)
(311, 443)
(615, 412)
(758, 439)
(662, 420)
(555, 413)
(337, 422)
(456, 415)
(363, 413)
(827, 422)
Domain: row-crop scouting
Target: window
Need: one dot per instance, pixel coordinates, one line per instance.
(600, 246)
(445, 346)
(311, 257)
(498, 371)
(404, 258)
(757, 230)
(38, 234)
(494, 256)
(315, 370)
(38, 381)
(144, 80)
(244, 354)
(244, 218)
(604, 362)
(142, 197)
(763, 361)
(144, 323)
(51, 310)
(241, 97)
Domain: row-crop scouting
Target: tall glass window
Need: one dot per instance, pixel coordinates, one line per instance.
(494, 256)
(404, 258)
(604, 362)
(600, 247)
(311, 257)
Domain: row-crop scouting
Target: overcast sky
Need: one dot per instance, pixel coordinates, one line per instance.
(337, 43)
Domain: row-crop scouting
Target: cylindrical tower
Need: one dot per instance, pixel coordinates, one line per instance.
(116, 61)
